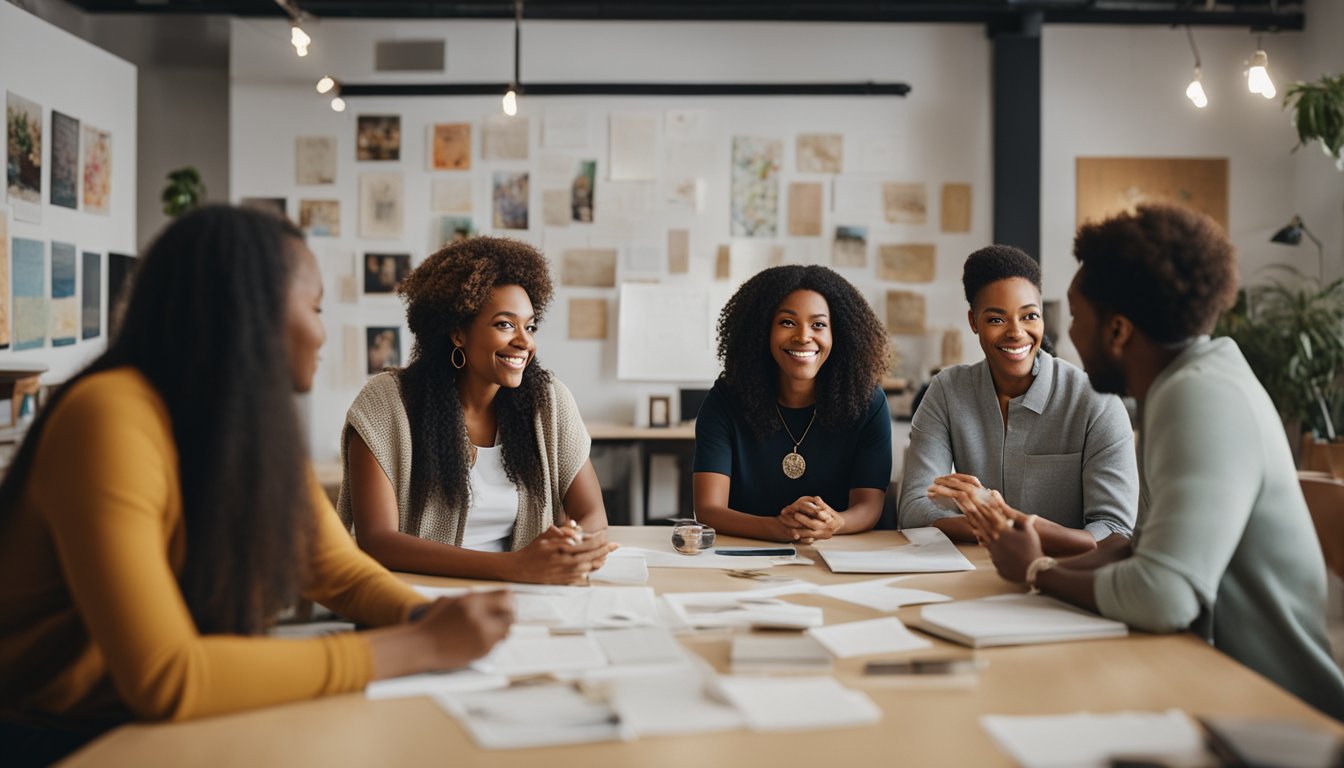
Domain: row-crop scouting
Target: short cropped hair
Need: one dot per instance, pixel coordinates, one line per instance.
(1170, 270)
(994, 263)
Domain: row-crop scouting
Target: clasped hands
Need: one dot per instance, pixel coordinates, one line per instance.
(1009, 534)
(563, 555)
(810, 519)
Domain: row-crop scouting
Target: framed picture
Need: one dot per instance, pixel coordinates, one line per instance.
(660, 411)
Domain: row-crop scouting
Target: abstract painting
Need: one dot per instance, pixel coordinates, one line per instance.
(820, 152)
(30, 300)
(64, 160)
(383, 272)
(510, 200)
(583, 190)
(451, 143)
(64, 305)
(320, 218)
(97, 171)
(91, 296)
(850, 247)
(378, 137)
(755, 186)
(23, 121)
(905, 203)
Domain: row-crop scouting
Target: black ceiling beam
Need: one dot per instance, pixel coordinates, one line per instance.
(349, 90)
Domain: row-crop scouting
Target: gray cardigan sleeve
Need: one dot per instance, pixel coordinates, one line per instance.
(1110, 473)
(928, 458)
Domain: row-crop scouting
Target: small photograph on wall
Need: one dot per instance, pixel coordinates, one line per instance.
(315, 160)
(97, 170)
(451, 144)
(755, 186)
(64, 160)
(582, 191)
(820, 152)
(277, 206)
(378, 138)
(383, 348)
(30, 298)
(64, 305)
(382, 208)
(320, 218)
(455, 229)
(23, 121)
(850, 247)
(383, 272)
(120, 267)
(510, 200)
(4, 279)
(905, 203)
(91, 296)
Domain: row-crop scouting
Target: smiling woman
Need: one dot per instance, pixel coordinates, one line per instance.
(1025, 424)
(473, 460)
(793, 443)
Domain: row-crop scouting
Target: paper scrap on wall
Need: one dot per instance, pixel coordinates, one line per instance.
(904, 203)
(820, 152)
(906, 262)
(956, 208)
(451, 144)
(450, 195)
(556, 207)
(587, 319)
(805, 209)
(382, 209)
(315, 160)
(505, 138)
(633, 147)
(905, 312)
(592, 267)
(678, 251)
(850, 247)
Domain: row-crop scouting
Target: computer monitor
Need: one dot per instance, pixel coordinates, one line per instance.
(690, 401)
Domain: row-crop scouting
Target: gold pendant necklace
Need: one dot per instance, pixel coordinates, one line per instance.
(794, 464)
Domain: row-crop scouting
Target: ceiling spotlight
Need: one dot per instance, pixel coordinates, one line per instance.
(1195, 90)
(299, 39)
(1257, 75)
(325, 84)
(338, 104)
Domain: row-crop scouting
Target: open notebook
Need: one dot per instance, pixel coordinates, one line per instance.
(1014, 620)
(929, 551)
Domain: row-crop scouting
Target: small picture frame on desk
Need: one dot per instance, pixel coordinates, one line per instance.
(660, 411)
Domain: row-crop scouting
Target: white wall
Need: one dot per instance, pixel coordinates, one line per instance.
(59, 71)
(941, 133)
(1120, 92)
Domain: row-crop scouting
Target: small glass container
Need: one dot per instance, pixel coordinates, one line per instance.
(692, 538)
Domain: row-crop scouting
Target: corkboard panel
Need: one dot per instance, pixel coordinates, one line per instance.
(1110, 185)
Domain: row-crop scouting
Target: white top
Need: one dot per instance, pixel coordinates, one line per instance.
(494, 503)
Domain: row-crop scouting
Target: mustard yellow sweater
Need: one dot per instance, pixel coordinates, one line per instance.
(93, 627)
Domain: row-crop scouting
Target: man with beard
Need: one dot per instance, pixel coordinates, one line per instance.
(1224, 544)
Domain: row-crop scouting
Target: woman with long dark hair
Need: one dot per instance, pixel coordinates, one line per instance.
(473, 459)
(1020, 422)
(161, 513)
(793, 443)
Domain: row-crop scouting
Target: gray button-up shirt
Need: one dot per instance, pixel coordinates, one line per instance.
(1066, 454)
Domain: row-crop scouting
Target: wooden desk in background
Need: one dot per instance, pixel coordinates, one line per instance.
(677, 440)
(919, 727)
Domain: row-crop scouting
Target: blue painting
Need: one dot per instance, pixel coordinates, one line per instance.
(64, 305)
(91, 298)
(30, 298)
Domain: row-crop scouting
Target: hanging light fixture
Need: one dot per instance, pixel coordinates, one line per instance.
(325, 84)
(337, 104)
(1195, 90)
(510, 101)
(298, 38)
(1257, 73)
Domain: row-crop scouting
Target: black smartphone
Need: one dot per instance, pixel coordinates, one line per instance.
(749, 551)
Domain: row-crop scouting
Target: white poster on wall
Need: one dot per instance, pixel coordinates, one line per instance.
(564, 128)
(633, 144)
(646, 312)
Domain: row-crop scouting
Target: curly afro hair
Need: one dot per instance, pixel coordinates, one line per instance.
(994, 263)
(859, 349)
(1170, 270)
(442, 295)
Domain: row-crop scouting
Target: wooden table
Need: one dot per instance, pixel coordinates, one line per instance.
(677, 440)
(919, 727)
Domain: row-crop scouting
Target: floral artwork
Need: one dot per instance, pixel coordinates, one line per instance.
(97, 170)
(23, 158)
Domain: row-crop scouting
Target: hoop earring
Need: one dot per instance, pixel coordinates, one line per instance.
(452, 357)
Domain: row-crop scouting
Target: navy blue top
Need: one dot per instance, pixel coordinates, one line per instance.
(858, 456)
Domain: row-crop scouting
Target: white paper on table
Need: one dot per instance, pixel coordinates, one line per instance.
(622, 567)
(669, 558)
(864, 638)
(929, 551)
(574, 608)
(715, 609)
(430, 683)
(639, 646)
(669, 704)
(533, 716)
(522, 655)
(797, 703)
(879, 595)
(1084, 740)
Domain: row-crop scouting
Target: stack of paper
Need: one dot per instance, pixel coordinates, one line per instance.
(1015, 620)
(929, 551)
(622, 567)
(670, 704)
(864, 638)
(879, 595)
(430, 683)
(797, 703)
(524, 654)
(643, 646)
(706, 610)
(533, 716)
(795, 654)
(579, 608)
(1093, 741)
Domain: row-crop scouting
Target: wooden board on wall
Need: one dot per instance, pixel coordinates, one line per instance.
(1110, 185)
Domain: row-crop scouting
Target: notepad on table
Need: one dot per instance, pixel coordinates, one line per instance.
(864, 638)
(798, 703)
(929, 551)
(1085, 740)
(794, 654)
(1015, 620)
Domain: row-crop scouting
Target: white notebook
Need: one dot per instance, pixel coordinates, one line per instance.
(1015, 620)
(929, 551)
(775, 652)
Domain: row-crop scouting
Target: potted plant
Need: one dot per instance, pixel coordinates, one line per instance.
(184, 191)
(1318, 115)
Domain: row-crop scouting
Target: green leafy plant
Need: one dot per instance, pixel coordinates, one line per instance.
(1318, 114)
(1292, 334)
(184, 191)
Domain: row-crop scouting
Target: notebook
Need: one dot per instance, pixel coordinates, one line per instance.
(929, 551)
(1015, 620)
(797, 654)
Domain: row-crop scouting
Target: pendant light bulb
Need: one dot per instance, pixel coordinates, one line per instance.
(1195, 92)
(299, 39)
(338, 104)
(510, 103)
(325, 84)
(1257, 75)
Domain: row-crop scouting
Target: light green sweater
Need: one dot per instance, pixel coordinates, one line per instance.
(1224, 544)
